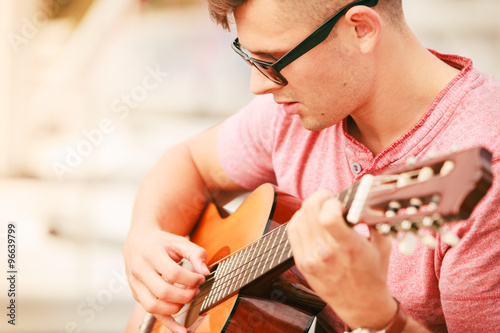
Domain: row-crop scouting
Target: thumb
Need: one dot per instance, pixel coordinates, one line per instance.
(198, 257)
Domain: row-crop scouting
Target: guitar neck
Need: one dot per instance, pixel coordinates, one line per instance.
(249, 264)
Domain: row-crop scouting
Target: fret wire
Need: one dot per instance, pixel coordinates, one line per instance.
(217, 297)
(283, 233)
(225, 279)
(221, 283)
(244, 272)
(253, 266)
(265, 242)
(223, 274)
(267, 257)
(253, 259)
(243, 255)
(274, 237)
(218, 280)
(286, 243)
(242, 259)
(213, 291)
(229, 276)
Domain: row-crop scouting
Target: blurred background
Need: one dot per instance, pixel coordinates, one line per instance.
(91, 93)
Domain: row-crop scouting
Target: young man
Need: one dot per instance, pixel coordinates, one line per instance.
(364, 98)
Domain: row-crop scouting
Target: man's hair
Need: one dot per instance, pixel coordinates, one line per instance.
(221, 11)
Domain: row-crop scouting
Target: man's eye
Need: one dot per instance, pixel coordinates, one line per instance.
(265, 57)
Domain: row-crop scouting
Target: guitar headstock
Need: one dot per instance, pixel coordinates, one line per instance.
(426, 194)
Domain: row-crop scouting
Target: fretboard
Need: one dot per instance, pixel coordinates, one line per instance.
(249, 264)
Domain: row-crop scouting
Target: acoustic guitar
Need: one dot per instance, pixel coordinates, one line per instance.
(254, 286)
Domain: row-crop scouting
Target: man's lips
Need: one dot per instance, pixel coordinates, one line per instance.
(291, 108)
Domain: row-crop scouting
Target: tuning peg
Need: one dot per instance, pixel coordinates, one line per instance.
(386, 229)
(434, 223)
(425, 174)
(403, 180)
(415, 204)
(407, 243)
(432, 154)
(411, 160)
(434, 202)
(392, 209)
(449, 237)
(427, 240)
(447, 167)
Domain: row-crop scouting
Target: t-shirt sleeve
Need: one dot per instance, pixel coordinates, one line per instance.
(245, 143)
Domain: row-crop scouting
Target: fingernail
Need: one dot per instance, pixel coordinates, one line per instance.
(202, 281)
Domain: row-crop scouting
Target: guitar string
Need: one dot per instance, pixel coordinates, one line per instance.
(212, 274)
(268, 234)
(251, 261)
(272, 233)
(376, 188)
(383, 178)
(194, 302)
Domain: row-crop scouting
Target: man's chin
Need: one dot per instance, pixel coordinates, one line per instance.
(311, 124)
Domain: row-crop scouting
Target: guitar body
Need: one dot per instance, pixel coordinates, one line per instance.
(280, 301)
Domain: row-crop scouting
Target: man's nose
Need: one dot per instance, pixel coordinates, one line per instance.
(260, 84)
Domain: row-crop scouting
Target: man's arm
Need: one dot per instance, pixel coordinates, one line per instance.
(168, 203)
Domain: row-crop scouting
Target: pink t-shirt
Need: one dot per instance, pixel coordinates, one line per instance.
(448, 289)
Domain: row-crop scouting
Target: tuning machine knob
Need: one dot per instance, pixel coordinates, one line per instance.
(407, 242)
(434, 223)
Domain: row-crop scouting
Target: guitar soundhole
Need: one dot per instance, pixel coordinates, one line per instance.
(224, 252)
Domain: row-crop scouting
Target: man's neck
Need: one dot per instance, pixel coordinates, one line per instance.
(404, 91)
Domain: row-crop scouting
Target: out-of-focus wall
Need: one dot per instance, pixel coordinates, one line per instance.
(91, 93)
(94, 92)
(466, 27)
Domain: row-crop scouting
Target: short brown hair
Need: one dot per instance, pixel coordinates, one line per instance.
(221, 10)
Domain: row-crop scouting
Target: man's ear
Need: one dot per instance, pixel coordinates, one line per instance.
(367, 27)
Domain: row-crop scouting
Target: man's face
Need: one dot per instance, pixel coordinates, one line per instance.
(324, 85)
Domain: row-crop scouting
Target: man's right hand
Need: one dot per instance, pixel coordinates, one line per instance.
(157, 281)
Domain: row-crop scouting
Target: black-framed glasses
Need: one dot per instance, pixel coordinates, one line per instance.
(272, 70)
